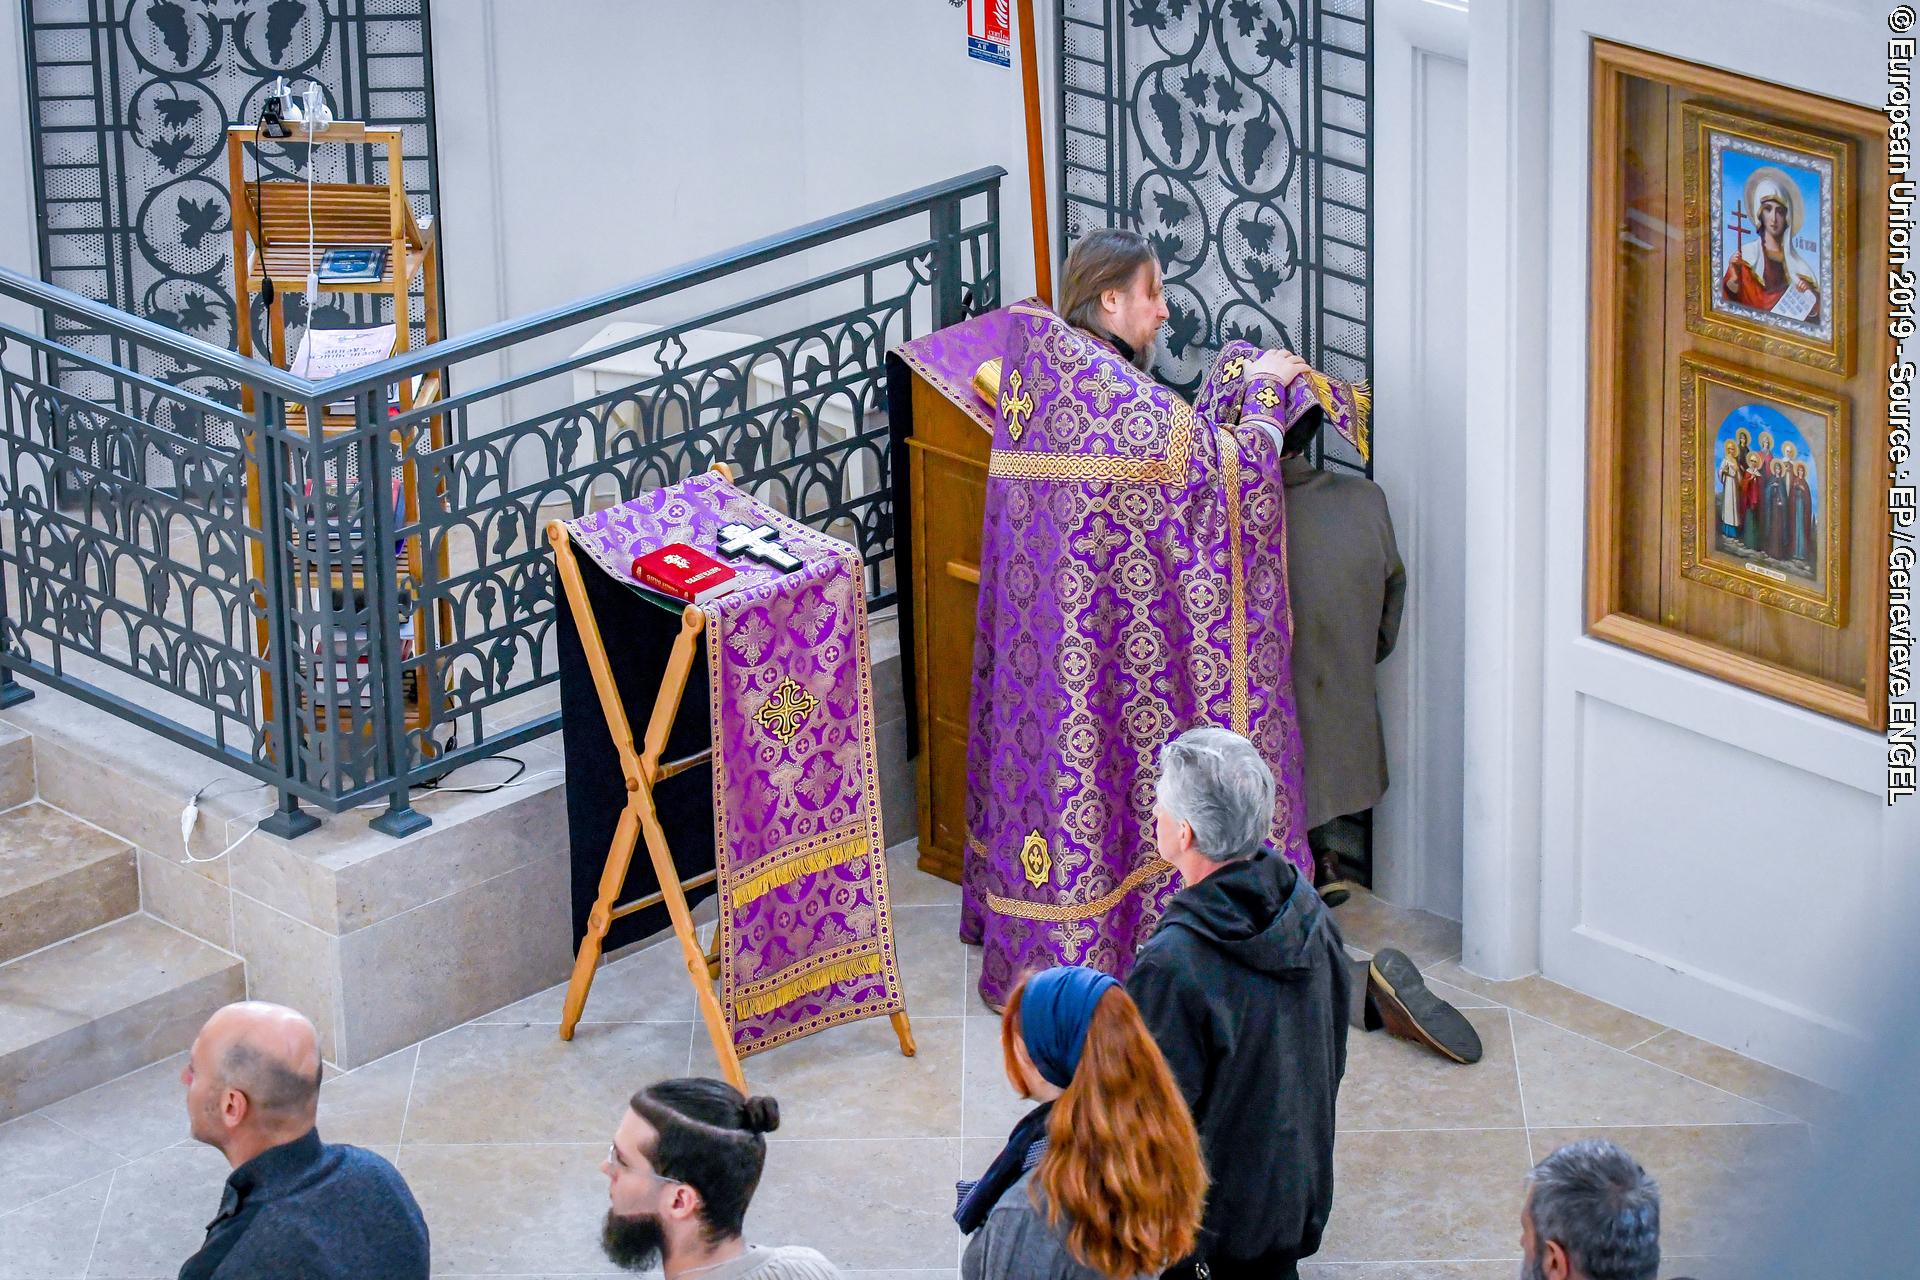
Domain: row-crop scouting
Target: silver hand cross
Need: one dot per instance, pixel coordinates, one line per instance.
(760, 543)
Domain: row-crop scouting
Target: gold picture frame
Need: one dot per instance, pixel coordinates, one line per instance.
(1761, 197)
(1816, 638)
(1769, 524)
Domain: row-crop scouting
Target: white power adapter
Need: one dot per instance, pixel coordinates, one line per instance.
(190, 816)
(315, 115)
(309, 107)
(314, 110)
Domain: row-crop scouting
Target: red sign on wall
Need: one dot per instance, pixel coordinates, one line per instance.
(990, 31)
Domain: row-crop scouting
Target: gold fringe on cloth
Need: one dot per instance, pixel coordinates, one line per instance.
(772, 998)
(784, 868)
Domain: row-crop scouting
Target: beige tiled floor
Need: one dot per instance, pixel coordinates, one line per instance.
(499, 1127)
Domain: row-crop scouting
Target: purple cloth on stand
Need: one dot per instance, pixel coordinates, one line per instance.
(806, 938)
(1133, 585)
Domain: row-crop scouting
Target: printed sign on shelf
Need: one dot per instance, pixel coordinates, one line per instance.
(990, 31)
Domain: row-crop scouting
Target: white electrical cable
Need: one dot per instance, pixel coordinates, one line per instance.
(257, 813)
(313, 259)
(190, 815)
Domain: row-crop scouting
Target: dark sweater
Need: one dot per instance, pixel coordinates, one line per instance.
(309, 1211)
(1244, 986)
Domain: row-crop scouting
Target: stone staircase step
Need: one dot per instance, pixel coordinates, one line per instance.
(16, 767)
(59, 877)
(96, 1006)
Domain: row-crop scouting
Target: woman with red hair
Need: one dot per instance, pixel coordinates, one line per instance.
(1104, 1179)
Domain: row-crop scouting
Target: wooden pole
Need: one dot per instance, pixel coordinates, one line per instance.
(1036, 155)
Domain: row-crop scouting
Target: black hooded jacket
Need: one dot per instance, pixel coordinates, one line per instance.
(1244, 986)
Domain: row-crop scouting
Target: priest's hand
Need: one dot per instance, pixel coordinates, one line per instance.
(1281, 364)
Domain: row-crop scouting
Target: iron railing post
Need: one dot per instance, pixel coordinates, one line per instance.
(383, 611)
(288, 819)
(12, 692)
(949, 301)
(991, 277)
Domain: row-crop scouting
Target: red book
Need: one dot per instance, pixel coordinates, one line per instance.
(680, 571)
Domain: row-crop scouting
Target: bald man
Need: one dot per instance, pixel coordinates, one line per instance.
(294, 1205)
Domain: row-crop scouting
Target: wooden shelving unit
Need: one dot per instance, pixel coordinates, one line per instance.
(271, 242)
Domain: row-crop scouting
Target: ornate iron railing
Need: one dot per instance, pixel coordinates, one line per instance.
(243, 580)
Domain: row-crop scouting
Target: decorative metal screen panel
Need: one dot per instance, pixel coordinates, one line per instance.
(129, 104)
(1235, 133)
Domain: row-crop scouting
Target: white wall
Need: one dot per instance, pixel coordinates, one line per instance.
(1419, 301)
(637, 136)
(19, 241)
(1589, 766)
(587, 145)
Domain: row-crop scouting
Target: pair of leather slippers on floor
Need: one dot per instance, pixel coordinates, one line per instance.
(1399, 1001)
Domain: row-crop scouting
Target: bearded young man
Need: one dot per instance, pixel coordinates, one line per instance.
(681, 1171)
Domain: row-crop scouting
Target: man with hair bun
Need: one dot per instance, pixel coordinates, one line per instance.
(680, 1173)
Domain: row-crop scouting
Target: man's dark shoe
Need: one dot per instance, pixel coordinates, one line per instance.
(1326, 878)
(1398, 995)
(1335, 892)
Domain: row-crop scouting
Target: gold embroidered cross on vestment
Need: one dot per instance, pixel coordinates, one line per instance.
(1016, 405)
(1036, 858)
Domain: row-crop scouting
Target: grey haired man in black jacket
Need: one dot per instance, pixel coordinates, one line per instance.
(1245, 986)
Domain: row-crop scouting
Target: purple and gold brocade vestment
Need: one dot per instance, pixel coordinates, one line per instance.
(1133, 585)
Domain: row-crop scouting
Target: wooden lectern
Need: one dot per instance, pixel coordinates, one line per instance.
(945, 457)
(940, 455)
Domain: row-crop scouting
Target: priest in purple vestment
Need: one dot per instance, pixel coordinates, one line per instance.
(1133, 585)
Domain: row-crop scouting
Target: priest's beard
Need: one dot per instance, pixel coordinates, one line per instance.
(1143, 356)
(633, 1244)
(1532, 1269)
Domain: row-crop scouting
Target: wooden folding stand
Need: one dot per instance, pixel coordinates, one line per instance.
(642, 769)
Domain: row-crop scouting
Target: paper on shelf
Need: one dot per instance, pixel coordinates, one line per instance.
(328, 353)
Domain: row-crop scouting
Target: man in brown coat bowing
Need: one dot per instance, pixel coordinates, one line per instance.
(1347, 586)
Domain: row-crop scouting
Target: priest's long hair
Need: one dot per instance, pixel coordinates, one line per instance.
(1102, 259)
(1123, 1163)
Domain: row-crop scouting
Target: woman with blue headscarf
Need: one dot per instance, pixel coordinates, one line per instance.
(1103, 1180)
